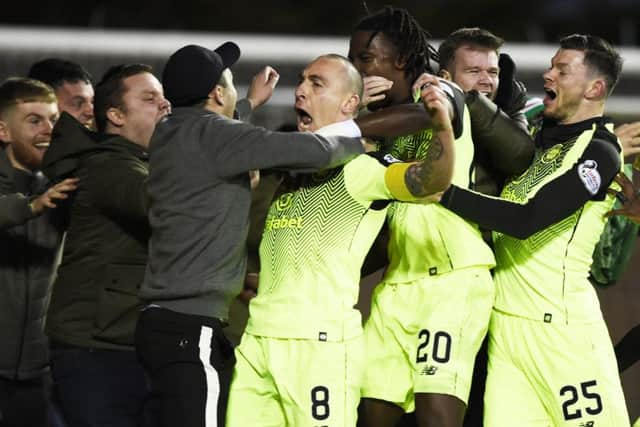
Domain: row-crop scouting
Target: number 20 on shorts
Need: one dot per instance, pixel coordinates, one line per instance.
(440, 348)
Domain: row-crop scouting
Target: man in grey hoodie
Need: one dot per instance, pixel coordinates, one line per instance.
(199, 204)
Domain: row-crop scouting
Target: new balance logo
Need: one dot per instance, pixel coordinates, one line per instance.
(588, 424)
(429, 370)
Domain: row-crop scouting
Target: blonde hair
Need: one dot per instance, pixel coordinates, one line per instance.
(20, 90)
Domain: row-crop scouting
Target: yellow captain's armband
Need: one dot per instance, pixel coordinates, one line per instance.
(395, 182)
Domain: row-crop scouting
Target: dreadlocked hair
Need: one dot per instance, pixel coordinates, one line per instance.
(406, 34)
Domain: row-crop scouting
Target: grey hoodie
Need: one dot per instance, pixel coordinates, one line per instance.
(199, 202)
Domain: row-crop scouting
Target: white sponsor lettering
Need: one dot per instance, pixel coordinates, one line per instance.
(589, 175)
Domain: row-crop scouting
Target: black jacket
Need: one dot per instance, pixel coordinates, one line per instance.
(94, 303)
(29, 248)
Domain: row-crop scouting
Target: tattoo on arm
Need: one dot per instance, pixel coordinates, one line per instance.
(419, 175)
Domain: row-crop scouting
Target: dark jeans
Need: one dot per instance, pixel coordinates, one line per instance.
(189, 362)
(100, 388)
(24, 403)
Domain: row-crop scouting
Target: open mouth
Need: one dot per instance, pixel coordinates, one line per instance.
(41, 145)
(304, 119)
(550, 93)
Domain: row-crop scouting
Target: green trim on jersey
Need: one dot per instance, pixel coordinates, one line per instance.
(427, 240)
(315, 240)
(545, 277)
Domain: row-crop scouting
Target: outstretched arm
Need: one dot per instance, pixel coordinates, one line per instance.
(16, 209)
(553, 202)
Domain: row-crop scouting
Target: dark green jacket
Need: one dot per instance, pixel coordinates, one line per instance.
(29, 249)
(94, 303)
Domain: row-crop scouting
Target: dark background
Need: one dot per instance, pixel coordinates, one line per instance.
(525, 21)
(542, 21)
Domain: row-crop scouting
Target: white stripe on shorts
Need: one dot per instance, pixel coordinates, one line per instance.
(211, 377)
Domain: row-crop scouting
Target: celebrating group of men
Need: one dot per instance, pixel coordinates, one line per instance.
(149, 182)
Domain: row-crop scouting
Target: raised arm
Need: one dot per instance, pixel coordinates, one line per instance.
(433, 174)
(406, 119)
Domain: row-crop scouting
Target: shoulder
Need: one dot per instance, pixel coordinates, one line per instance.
(382, 158)
(452, 89)
(604, 143)
(113, 159)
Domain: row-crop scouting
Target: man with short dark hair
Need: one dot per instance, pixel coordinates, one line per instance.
(471, 58)
(551, 361)
(94, 305)
(30, 239)
(71, 84)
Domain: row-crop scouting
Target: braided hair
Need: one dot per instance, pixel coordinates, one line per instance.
(406, 34)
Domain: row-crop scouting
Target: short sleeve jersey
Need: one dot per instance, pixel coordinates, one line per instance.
(428, 240)
(317, 233)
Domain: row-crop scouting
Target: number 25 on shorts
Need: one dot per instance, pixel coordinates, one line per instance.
(571, 408)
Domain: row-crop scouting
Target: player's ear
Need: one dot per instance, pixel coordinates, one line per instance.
(597, 89)
(116, 116)
(400, 62)
(445, 74)
(217, 95)
(5, 134)
(351, 105)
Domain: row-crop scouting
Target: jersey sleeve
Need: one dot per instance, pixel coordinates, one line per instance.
(587, 180)
(378, 176)
(364, 178)
(457, 98)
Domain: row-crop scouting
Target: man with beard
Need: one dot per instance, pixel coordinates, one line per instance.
(30, 239)
(551, 361)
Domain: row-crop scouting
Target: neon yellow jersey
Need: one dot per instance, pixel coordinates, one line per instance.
(315, 239)
(545, 276)
(427, 240)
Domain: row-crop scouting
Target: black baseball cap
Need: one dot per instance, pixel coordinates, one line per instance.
(193, 71)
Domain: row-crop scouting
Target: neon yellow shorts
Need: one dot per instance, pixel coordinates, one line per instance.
(293, 382)
(551, 374)
(423, 336)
